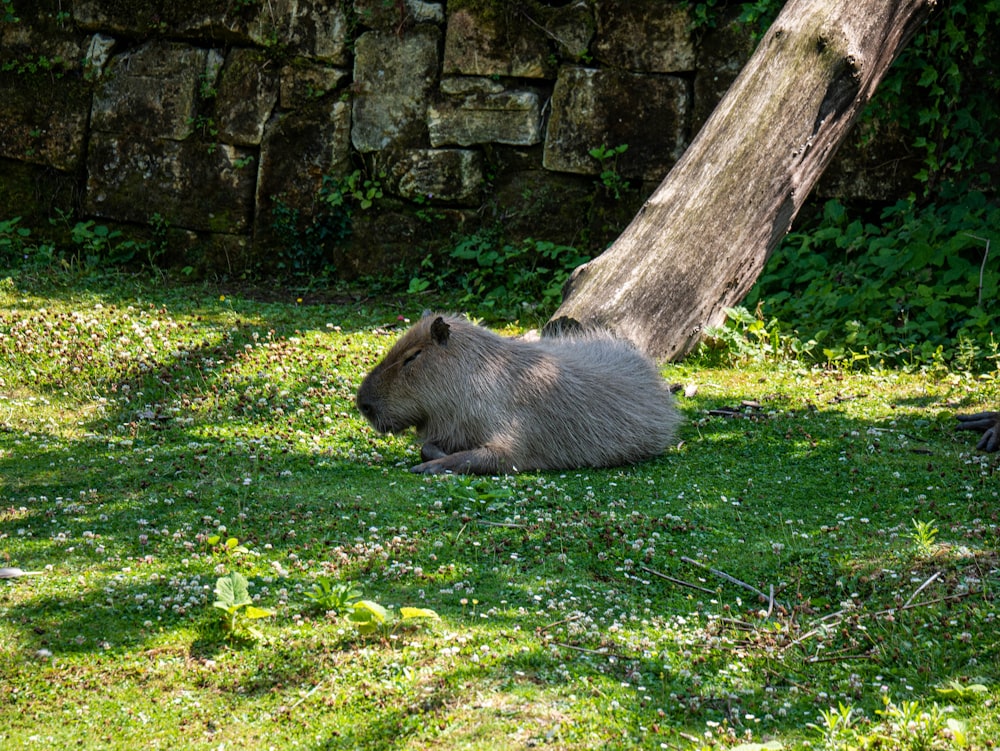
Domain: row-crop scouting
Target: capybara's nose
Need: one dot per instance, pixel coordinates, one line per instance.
(367, 409)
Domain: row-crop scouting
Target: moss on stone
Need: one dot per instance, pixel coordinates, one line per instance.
(506, 17)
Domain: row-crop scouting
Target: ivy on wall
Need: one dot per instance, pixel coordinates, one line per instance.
(916, 280)
(942, 91)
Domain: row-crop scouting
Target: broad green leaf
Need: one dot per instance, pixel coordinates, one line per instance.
(364, 621)
(224, 592)
(956, 690)
(958, 732)
(407, 613)
(376, 611)
(232, 589)
(252, 611)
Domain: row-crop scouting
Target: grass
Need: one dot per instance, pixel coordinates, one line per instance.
(144, 425)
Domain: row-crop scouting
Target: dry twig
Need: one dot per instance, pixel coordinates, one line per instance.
(921, 588)
(733, 580)
(674, 580)
(570, 619)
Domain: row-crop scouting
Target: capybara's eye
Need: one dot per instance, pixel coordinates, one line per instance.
(411, 357)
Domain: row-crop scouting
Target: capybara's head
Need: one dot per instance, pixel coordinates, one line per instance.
(412, 380)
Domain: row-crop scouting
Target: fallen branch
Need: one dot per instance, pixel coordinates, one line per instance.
(837, 658)
(674, 580)
(288, 710)
(17, 573)
(733, 580)
(910, 605)
(570, 619)
(921, 588)
(925, 603)
(601, 652)
(738, 624)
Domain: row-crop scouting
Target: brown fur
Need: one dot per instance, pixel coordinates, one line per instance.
(484, 404)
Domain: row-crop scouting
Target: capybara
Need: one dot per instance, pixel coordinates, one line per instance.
(987, 423)
(485, 404)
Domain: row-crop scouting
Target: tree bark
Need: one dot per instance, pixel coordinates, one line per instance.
(701, 240)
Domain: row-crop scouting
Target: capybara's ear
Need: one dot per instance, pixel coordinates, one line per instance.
(440, 331)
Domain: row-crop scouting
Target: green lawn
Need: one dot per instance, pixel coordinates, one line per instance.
(143, 425)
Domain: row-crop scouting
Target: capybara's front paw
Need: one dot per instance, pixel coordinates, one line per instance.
(430, 452)
(433, 467)
(479, 461)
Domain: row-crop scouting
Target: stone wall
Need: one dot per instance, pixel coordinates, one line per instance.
(225, 120)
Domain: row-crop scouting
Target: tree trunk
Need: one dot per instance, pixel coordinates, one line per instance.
(701, 240)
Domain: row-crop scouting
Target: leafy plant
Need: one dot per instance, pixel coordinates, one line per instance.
(367, 616)
(300, 249)
(924, 535)
(332, 596)
(907, 726)
(160, 242)
(370, 618)
(955, 690)
(305, 244)
(14, 240)
(355, 189)
(898, 288)
(426, 213)
(208, 129)
(610, 178)
(503, 278)
(944, 92)
(838, 726)
(232, 598)
(231, 547)
(101, 245)
(918, 726)
(747, 337)
(53, 66)
(91, 245)
(206, 85)
(759, 15)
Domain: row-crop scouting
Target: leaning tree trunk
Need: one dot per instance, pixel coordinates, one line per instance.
(700, 241)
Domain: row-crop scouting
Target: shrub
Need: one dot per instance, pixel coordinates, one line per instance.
(917, 281)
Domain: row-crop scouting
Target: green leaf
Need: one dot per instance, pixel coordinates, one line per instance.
(958, 732)
(370, 610)
(232, 590)
(368, 617)
(929, 76)
(955, 690)
(408, 613)
(253, 612)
